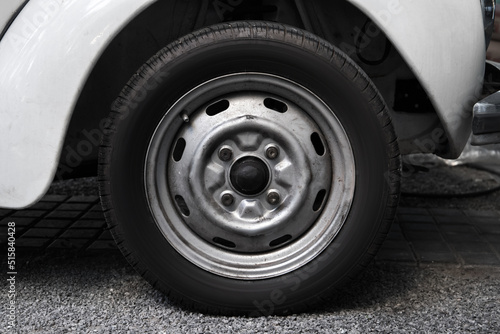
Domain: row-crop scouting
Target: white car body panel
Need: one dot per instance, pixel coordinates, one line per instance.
(7, 10)
(50, 49)
(453, 83)
(45, 59)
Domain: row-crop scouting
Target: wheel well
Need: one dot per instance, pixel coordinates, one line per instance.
(336, 21)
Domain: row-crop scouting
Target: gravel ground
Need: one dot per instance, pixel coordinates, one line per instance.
(450, 181)
(444, 175)
(100, 293)
(459, 187)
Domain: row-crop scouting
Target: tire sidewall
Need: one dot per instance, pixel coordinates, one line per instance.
(167, 78)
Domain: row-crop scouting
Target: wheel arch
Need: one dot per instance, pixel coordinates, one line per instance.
(409, 25)
(64, 39)
(425, 56)
(441, 128)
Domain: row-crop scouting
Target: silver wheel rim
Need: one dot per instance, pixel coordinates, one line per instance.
(250, 176)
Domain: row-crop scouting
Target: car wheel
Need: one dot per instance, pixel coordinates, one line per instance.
(249, 168)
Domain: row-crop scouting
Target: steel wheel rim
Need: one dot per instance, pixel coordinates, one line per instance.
(225, 133)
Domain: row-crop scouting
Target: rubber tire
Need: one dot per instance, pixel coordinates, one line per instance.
(260, 47)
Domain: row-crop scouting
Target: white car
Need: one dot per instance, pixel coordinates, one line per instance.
(248, 152)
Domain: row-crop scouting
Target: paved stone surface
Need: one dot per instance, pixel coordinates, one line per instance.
(59, 222)
(462, 237)
(419, 235)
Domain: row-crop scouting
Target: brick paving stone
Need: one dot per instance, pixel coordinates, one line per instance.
(422, 227)
(461, 237)
(486, 220)
(492, 238)
(44, 205)
(422, 235)
(80, 234)
(418, 235)
(482, 213)
(74, 206)
(394, 255)
(445, 212)
(93, 215)
(4, 212)
(3, 235)
(64, 214)
(20, 230)
(395, 235)
(69, 243)
(399, 247)
(106, 235)
(454, 228)
(103, 245)
(452, 219)
(430, 246)
(496, 247)
(472, 247)
(415, 219)
(479, 259)
(96, 224)
(54, 198)
(31, 243)
(53, 223)
(83, 199)
(97, 207)
(42, 233)
(432, 257)
(489, 228)
(396, 225)
(396, 244)
(29, 213)
(412, 211)
(18, 221)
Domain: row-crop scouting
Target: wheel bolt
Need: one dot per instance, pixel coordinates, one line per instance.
(273, 198)
(225, 154)
(227, 199)
(272, 152)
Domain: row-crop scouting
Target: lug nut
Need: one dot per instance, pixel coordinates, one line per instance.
(227, 199)
(272, 152)
(273, 198)
(225, 154)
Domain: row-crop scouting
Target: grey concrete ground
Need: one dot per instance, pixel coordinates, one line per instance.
(438, 272)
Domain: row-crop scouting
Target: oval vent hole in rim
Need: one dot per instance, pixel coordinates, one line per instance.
(224, 242)
(180, 146)
(280, 241)
(217, 107)
(182, 205)
(318, 144)
(276, 105)
(320, 198)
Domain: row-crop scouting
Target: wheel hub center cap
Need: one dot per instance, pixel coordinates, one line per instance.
(249, 176)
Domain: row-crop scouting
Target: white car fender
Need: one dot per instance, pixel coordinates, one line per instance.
(446, 49)
(7, 10)
(45, 59)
